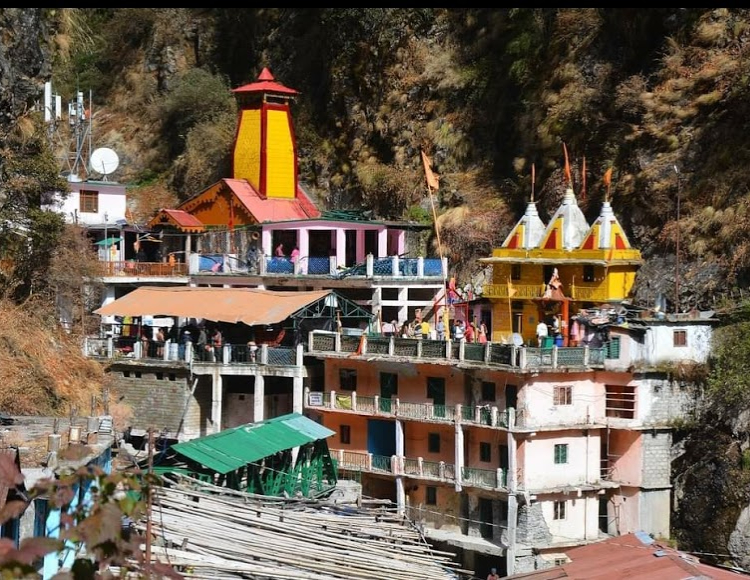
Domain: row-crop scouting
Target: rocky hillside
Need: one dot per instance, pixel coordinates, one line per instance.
(657, 94)
(660, 95)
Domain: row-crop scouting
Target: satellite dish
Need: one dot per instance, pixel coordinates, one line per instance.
(104, 160)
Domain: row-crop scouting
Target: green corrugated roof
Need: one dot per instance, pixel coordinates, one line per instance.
(233, 448)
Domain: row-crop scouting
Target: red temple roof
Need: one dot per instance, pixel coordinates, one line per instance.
(265, 84)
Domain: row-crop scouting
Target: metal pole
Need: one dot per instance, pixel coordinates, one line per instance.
(677, 247)
(149, 500)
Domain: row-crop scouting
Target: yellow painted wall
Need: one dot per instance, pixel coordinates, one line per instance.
(247, 148)
(620, 282)
(280, 176)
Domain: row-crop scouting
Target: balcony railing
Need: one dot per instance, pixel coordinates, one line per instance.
(419, 468)
(521, 357)
(133, 348)
(487, 478)
(591, 293)
(142, 269)
(327, 266)
(486, 415)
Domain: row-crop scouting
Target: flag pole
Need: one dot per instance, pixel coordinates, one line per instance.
(433, 179)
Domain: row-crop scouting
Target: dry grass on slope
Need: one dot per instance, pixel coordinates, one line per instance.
(43, 370)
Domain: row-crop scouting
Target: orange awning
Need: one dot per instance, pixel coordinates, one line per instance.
(248, 305)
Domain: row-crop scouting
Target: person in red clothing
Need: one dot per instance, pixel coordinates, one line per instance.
(469, 333)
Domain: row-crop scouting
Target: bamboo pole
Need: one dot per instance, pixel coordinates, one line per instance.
(236, 535)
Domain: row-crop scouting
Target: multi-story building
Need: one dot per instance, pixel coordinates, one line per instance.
(512, 451)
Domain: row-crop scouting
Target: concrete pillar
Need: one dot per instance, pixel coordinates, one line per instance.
(304, 250)
(341, 248)
(459, 454)
(400, 495)
(510, 551)
(259, 398)
(512, 481)
(217, 395)
(382, 243)
(399, 438)
(297, 395)
(360, 234)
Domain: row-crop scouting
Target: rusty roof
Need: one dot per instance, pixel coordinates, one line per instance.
(634, 556)
(248, 305)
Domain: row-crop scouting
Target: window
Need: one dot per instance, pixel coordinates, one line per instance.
(88, 201)
(613, 348)
(431, 495)
(348, 379)
(620, 401)
(345, 434)
(563, 395)
(488, 391)
(680, 338)
(485, 452)
(559, 510)
(588, 273)
(433, 442)
(561, 453)
(515, 271)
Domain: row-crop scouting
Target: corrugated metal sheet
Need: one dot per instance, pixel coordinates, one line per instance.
(269, 209)
(629, 557)
(248, 305)
(233, 448)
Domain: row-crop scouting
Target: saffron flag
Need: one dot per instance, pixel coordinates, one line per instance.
(608, 180)
(511, 290)
(583, 179)
(568, 176)
(433, 181)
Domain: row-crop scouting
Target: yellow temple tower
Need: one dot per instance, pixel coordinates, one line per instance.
(265, 149)
(545, 273)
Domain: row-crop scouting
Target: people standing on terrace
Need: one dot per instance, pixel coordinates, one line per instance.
(468, 332)
(459, 331)
(542, 332)
(279, 252)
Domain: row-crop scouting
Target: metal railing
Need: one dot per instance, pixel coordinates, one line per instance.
(136, 348)
(133, 268)
(482, 415)
(418, 467)
(523, 357)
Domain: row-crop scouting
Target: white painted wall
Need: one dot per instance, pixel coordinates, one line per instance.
(581, 517)
(540, 471)
(536, 408)
(112, 201)
(660, 342)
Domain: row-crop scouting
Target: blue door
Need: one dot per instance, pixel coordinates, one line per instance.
(381, 442)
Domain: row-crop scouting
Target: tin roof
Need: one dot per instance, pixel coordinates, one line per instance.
(233, 448)
(270, 209)
(265, 84)
(177, 218)
(249, 305)
(634, 556)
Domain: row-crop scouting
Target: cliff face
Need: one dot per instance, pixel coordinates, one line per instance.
(660, 95)
(25, 59)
